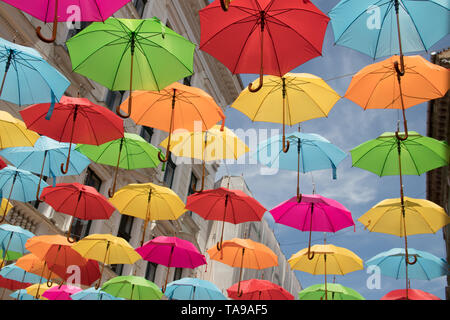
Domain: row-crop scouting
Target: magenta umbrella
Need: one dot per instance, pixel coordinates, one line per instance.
(171, 252)
(61, 292)
(313, 213)
(67, 10)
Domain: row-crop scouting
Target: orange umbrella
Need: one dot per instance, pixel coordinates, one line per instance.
(244, 253)
(382, 86)
(32, 264)
(175, 107)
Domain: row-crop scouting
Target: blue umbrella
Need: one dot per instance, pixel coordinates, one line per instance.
(193, 289)
(15, 273)
(392, 264)
(20, 184)
(13, 238)
(45, 158)
(93, 294)
(22, 295)
(26, 77)
(313, 152)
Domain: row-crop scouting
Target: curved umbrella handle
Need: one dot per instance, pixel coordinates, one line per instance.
(286, 144)
(163, 159)
(49, 282)
(413, 262)
(69, 239)
(400, 69)
(225, 4)
(401, 138)
(119, 111)
(310, 257)
(219, 245)
(65, 169)
(55, 27)
(240, 293)
(260, 84)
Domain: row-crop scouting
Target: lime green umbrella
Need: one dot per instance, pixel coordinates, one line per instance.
(131, 54)
(132, 288)
(335, 291)
(130, 152)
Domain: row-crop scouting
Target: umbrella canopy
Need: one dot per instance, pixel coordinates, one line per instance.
(60, 292)
(129, 152)
(264, 37)
(21, 66)
(171, 252)
(93, 294)
(2, 163)
(32, 264)
(256, 289)
(13, 238)
(413, 294)
(214, 144)
(132, 288)
(14, 133)
(79, 201)
(36, 290)
(148, 201)
(22, 295)
(290, 99)
(10, 284)
(392, 264)
(13, 272)
(223, 204)
(193, 289)
(335, 292)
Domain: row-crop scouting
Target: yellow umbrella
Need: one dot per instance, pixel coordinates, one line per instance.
(212, 145)
(5, 205)
(148, 201)
(108, 249)
(14, 133)
(37, 291)
(327, 259)
(291, 99)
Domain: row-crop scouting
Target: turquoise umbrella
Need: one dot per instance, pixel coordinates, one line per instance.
(193, 289)
(22, 295)
(93, 294)
(45, 158)
(15, 273)
(13, 238)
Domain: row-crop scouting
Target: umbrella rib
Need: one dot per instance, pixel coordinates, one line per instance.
(119, 63)
(414, 24)
(141, 49)
(274, 88)
(252, 30)
(390, 5)
(410, 155)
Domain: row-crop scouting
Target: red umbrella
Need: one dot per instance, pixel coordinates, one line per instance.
(263, 36)
(12, 285)
(413, 294)
(2, 163)
(225, 205)
(74, 120)
(255, 289)
(79, 201)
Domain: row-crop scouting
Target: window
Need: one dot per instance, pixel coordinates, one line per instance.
(147, 133)
(140, 6)
(125, 226)
(150, 272)
(192, 185)
(187, 81)
(113, 99)
(177, 274)
(73, 30)
(170, 172)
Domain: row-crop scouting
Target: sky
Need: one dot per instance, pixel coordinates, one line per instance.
(346, 126)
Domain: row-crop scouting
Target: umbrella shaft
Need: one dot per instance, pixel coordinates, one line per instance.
(8, 64)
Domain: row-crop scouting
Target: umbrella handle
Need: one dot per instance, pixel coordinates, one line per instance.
(69, 239)
(260, 84)
(165, 159)
(219, 246)
(413, 262)
(55, 27)
(286, 145)
(310, 257)
(240, 293)
(119, 111)
(261, 70)
(225, 4)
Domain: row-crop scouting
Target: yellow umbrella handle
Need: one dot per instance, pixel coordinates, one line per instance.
(55, 27)
(261, 70)
(225, 4)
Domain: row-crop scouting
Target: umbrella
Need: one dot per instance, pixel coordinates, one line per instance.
(61, 292)
(334, 291)
(107, 249)
(59, 10)
(223, 204)
(93, 294)
(290, 99)
(264, 37)
(5, 206)
(411, 294)
(22, 295)
(378, 86)
(392, 264)
(48, 152)
(13, 238)
(107, 52)
(133, 288)
(13, 272)
(2, 163)
(74, 120)
(313, 152)
(193, 289)
(175, 107)
(256, 289)
(79, 201)
(130, 152)
(25, 183)
(36, 290)
(244, 253)
(328, 259)
(148, 201)
(11, 285)
(171, 252)
(21, 66)
(211, 145)
(14, 133)
(313, 213)
(34, 265)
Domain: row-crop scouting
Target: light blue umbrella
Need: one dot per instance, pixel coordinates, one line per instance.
(13, 238)
(26, 78)
(45, 158)
(93, 294)
(193, 289)
(15, 273)
(308, 152)
(21, 185)
(370, 26)
(22, 295)
(392, 264)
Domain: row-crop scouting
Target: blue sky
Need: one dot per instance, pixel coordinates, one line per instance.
(347, 126)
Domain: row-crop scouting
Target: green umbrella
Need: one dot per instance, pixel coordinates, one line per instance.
(106, 52)
(130, 152)
(132, 288)
(334, 292)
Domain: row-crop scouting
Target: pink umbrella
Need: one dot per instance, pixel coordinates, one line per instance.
(313, 213)
(61, 292)
(67, 10)
(171, 252)
(255, 289)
